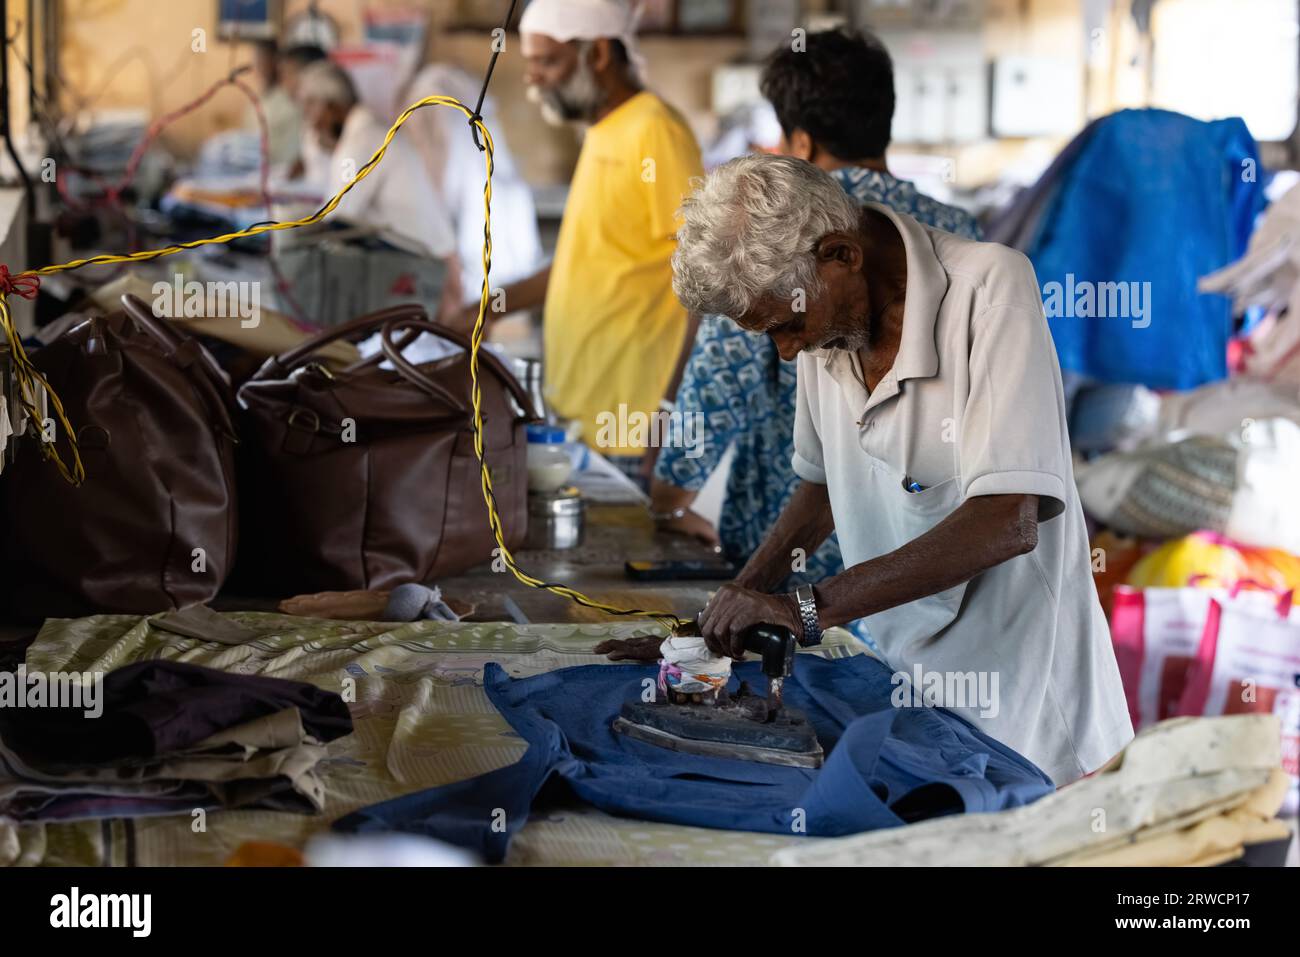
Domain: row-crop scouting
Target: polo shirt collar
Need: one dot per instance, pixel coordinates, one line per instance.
(927, 283)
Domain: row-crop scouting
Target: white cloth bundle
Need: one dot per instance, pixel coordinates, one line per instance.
(688, 667)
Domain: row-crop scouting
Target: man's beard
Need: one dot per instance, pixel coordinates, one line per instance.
(850, 334)
(574, 101)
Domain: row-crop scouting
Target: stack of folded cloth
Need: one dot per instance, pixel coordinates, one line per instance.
(1185, 792)
(170, 738)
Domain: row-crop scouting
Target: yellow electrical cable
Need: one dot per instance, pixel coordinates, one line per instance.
(28, 375)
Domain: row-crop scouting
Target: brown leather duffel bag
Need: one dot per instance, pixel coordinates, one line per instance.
(367, 478)
(153, 526)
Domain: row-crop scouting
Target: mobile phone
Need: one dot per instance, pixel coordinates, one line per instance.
(711, 569)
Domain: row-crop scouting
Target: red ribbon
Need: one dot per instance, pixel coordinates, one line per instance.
(25, 286)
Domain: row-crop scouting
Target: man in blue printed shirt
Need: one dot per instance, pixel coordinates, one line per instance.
(835, 103)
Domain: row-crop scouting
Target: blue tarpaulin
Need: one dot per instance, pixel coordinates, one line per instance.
(886, 765)
(1148, 203)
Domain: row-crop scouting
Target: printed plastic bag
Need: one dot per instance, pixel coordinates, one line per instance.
(1157, 634)
(1249, 661)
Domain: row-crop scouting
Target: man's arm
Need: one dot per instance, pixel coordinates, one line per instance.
(683, 354)
(688, 345)
(666, 498)
(982, 532)
(709, 385)
(804, 523)
(524, 294)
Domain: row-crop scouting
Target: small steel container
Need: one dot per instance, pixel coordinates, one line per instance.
(529, 374)
(556, 519)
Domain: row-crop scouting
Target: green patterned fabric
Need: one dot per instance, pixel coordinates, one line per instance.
(422, 720)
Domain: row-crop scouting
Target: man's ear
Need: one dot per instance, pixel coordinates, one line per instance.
(602, 55)
(840, 248)
(801, 145)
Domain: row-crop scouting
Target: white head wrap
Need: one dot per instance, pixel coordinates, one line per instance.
(566, 20)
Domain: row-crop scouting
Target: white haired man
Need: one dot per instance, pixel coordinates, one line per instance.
(930, 435)
(397, 196)
(613, 331)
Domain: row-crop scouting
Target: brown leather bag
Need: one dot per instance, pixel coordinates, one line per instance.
(154, 418)
(367, 478)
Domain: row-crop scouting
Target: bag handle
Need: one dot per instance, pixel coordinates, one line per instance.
(362, 364)
(175, 341)
(187, 353)
(277, 367)
(392, 351)
(1284, 596)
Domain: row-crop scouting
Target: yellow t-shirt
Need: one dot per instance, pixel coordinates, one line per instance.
(613, 328)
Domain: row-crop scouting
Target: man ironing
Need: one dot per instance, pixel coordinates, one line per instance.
(930, 435)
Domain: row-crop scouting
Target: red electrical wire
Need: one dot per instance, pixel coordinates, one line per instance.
(264, 148)
(158, 125)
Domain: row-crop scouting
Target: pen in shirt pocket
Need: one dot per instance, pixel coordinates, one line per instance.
(911, 485)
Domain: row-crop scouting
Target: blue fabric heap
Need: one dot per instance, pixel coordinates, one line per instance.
(886, 766)
(1145, 196)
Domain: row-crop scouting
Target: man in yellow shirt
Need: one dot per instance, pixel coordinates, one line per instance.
(612, 327)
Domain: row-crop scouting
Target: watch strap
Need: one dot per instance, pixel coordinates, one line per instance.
(807, 601)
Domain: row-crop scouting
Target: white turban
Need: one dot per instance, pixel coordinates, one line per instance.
(566, 20)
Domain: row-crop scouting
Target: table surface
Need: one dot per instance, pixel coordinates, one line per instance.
(614, 534)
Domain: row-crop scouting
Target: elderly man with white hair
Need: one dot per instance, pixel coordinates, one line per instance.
(613, 330)
(397, 196)
(930, 435)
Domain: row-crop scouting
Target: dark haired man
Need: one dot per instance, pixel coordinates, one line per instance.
(835, 103)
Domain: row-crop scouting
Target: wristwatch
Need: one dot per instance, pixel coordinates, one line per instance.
(807, 602)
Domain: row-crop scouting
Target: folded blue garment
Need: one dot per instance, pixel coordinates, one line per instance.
(886, 765)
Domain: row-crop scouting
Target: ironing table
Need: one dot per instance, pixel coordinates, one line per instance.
(421, 716)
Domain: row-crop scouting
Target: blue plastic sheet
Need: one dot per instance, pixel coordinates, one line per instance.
(1151, 201)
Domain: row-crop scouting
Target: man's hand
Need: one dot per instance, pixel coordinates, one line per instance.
(734, 609)
(644, 648)
(650, 456)
(693, 525)
(461, 318)
(449, 302)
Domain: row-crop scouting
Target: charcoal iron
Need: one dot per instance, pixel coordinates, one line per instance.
(743, 726)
